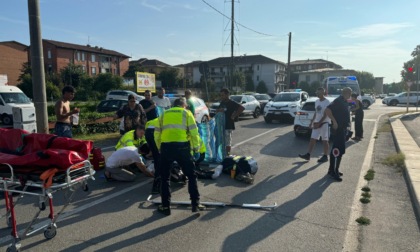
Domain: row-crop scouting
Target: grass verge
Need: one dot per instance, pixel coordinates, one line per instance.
(365, 200)
(366, 195)
(384, 128)
(101, 139)
(395, 160)
(366, 189)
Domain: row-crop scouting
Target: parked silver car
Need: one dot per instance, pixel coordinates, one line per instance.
(122, 95)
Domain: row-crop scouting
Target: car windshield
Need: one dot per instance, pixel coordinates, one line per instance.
(236, 98)
(18, 98)
(287, 97)
(262, 97)
(335, 89)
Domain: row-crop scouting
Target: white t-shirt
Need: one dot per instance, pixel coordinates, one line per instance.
(162, 102)
(320, 107)
(124, 156)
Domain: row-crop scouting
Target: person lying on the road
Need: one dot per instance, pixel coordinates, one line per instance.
(132, 138)
(118, 164)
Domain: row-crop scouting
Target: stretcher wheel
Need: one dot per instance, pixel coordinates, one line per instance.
(42, 206)
(9, 221)
(50, 232)
(13, 248)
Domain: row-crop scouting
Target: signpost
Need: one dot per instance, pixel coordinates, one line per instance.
(409, 83)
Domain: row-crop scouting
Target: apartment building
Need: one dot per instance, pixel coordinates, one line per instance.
(318, 75)
(259, 67)
(93, 59)
(12, 56)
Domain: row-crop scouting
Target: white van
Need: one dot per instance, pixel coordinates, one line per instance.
(10, 97)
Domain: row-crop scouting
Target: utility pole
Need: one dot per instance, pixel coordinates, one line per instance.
(288, 60)
(37, 64)
(232, 64)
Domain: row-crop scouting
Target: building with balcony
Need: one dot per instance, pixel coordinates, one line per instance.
(93, 59)
(318, 75)
(12, 57)
(259, 67)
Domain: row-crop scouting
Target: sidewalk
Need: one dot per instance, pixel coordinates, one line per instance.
(406, 130)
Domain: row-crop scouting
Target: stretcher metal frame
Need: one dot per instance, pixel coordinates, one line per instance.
(74, 177)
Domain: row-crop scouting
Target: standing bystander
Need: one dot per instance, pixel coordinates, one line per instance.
(149, 106)
(63, 112)
(358, 113)
(133, 115)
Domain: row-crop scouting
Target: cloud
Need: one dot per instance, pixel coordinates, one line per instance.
(14, 21)
(171, 34)
(375, 30)
(189, 7)
(153, 7)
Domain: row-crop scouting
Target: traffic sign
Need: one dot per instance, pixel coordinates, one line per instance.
(409, 83)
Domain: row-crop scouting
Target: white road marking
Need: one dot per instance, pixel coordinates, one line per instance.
(351, 237)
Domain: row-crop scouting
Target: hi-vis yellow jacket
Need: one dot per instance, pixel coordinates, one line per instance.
(130, 139)
(152, 123)
(177, 125)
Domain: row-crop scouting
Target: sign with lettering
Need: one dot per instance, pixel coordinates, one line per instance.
(145, 81)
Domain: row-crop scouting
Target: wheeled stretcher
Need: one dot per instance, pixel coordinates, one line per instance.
(40, 165)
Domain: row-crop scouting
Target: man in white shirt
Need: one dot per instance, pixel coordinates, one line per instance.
(160, 100)
(118, 162)
(320, 126)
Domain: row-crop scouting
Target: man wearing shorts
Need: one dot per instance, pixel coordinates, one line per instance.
(232, 110)
(320, 126)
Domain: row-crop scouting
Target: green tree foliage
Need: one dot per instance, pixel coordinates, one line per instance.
(239, 80)
(106, 81)
(310, 88)
(366, 80)
(72, 75)
(131, 72)
(249, 83)
(261, 88)
(393, 88)
(169, 77)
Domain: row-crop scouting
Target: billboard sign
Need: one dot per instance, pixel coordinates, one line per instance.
(145, 81)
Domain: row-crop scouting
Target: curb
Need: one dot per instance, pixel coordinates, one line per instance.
(406, 145)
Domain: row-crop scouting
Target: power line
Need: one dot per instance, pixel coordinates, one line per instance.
(243, 26)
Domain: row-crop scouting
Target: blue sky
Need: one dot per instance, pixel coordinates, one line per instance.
(369, 35)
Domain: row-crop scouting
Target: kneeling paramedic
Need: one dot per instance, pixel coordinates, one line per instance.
(132, 138)
(176, 126)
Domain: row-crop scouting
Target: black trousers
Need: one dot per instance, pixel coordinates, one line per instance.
(179, 152)
(358, 124)
(150, 139)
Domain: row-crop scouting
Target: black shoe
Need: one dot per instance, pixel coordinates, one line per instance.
(323, 159)
(164, 210)
(332, 174)
(197, 207)
(307, 156)
(337, 178)
(245, 177)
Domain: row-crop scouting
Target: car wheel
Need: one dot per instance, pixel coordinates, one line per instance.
(7, 119)
(366, 104)
(393, 103)
(268, 119)
(256, 113)
(205, 119)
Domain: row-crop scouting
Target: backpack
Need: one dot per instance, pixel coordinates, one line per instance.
(97, 159)
(177, 175)
(241, 164)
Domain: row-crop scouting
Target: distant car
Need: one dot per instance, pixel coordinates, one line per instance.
(110, 105)
(201, 112)
(122, 95)
(173, 97)
(251, 105)
(302, 121)
(284, 105)
(213, 108)
(367, 100)
(263, 99)
(401, 98)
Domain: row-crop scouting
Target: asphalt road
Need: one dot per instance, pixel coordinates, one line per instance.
(314, 212)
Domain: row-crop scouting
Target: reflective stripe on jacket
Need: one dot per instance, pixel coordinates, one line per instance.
(128, 139)
(152, 123)
(177, 125)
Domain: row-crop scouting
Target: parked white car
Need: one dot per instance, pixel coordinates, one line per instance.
(201, 112)
(367, 100)
(284, 105)
(251, 105)
(122, 95)
(10, 97)
(401, 98)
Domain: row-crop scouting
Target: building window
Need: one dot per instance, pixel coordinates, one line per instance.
(49, 68)
(258, 67)
(297, 68)
(78, 56)
(93, 58)
(221, 69)
(83, 56)
(258, 77)
(308, 79)
(212, 69)
(93, 69)
(49, 53)
(240, 69)
(310, 67)
(84, 69)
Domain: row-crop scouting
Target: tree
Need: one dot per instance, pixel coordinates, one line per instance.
(239, 80)
(106, 81)
(168, 77)
(261, 87)
(366, 80)
(249, 83)
(72, 75)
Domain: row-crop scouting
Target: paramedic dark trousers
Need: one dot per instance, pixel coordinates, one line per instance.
(179, 152)
(339, 142)
(150, 139)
